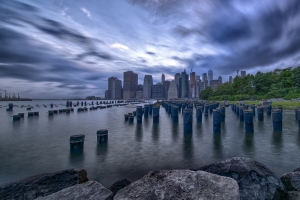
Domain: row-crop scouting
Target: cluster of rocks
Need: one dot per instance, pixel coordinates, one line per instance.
(234, 178)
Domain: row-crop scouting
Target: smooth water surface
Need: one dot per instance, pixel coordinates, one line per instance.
(40, 144)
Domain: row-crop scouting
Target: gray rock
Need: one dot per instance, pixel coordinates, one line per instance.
(255, 180)
(42, 184)
(90, 190)
(180, 184)
(293, 195)
(119, 185)
(291, 181)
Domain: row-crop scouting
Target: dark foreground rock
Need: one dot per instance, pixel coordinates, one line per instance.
(255, 180)
(293, 195)
(291, 181)
(90, 190)
(119, 185)
(180, 184)
(42, 184)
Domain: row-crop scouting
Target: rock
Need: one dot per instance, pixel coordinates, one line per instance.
(297, 170)
(89, 191)
(291, 181)
(293, 195)
(42, 184)
(180, 184)
(255, 180)
(119, 185)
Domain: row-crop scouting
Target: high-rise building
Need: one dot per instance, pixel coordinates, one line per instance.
(198, 78)
(193, 84)
(163, 78)
(220, 79)
(214, 84)
(158, 91)
(205, 80)
(178, 83)
(114, 90)
(166, 84)
(173, 92)
(147, 87)
(243, 73)
(130, 84)
(210, 76)
(230, 79)
(184, 85)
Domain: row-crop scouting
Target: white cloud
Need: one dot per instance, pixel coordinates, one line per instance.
(119, 46)
(86, 11)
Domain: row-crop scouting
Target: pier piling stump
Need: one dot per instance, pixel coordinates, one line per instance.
(216, 121)
(223, 111)
(146, 111)
(155, 112)
(16, 117)
(241, 113)
(199, 114)
(174, 114)
(139, 114)
(277, 119)
(130, 119)
(188, 120)
(102, 135)
(77, 143)
(260, 113)
(248, 120)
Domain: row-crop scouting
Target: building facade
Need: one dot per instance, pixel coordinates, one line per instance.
(173, 91)
(114, 90)
(147, 87)
(177, 78)
(184, 85)
(130, 84)
(243, 73)
(230, 79)
(193, 84)
(163, 78)
(210, 76)
(214, 84)
(158, 91)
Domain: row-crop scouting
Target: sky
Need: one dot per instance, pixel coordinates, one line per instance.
(69, 48)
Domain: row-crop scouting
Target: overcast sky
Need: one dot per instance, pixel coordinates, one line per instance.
(67, 48)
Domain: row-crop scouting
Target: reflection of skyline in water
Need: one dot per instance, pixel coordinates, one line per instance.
(137, 148)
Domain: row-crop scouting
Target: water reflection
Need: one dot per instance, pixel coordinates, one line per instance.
(76, 158)
(188, 147)
(101, 150)
(277, 139)
(248, 144)
(218, 145)
(175, 132)
(139, 132)
(155, 132)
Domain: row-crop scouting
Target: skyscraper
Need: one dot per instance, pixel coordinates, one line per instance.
(162, 78)
(130, 84)
(147, 87)
(172, 92)
(193, 84)
(220, 79)
(243, 73)
(210, 76)
(178, 83)
(230, 79)
(114, 90)
(184, 85)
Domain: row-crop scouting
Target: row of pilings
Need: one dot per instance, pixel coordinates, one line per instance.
(246, 113)
(147, 110)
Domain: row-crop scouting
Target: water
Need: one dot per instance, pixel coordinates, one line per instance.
(40, 144)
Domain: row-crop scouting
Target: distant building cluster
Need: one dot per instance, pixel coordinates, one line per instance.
(183, 85)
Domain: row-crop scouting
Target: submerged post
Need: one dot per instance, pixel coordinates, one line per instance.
(298, 113)
(260, 113)
(199, 114)
(139, 114)
(77, 143)
(188, 120)
(277, 119)
(223, 111)
(216, 121)
(241, 113)
(150, 109)
(155, 110)
(130, 119)
(174, 114)
(248, 120)
(102, 135)
(146, 111)
(269, 109)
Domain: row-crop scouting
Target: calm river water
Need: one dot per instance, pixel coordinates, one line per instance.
(40, 144)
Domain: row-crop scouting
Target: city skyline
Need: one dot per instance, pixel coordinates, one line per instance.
(64, 49)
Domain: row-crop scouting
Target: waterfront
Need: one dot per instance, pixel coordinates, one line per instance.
(40, 144)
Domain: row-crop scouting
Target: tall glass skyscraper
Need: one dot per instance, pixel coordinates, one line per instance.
(147, 87)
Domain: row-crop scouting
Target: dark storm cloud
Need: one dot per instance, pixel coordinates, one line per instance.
(150, 53)
(101, 55)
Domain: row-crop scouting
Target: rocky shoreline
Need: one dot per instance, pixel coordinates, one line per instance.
(233, 178)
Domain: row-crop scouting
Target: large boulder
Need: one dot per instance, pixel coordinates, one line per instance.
(293, 195)
(42, 184)
(180, 184)
(90, 190)
(291, 181)
(255, 180)
(119, 185)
